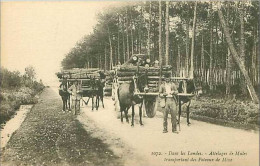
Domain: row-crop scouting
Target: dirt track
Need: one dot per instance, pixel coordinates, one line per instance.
(50, 137)
(142, 141)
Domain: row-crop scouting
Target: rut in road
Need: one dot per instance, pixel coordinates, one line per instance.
(49, 137)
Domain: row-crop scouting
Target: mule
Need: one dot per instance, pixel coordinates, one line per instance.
(90, 92)
(127, 98)
(64, 93)
(100, 92)
(65, 96)
(189, 88)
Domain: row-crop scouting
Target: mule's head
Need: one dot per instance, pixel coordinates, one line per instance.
(191, 86)
(141, 82)
(180, 87)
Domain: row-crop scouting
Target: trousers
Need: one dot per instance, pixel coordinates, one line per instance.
(170, 108)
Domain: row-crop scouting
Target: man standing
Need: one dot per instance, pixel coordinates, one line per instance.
(168, 103)
(74, 89)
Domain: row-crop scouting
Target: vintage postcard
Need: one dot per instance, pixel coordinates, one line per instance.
(129, 83)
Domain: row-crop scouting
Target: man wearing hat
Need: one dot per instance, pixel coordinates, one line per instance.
(168, 102)
(74, 89)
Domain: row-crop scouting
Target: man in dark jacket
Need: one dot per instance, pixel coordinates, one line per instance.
(168, 102)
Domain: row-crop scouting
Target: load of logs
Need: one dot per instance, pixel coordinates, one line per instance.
(108, 86)
(85, 75)
(126, 73)
(79, 73)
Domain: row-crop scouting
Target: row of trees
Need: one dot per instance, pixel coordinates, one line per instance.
(194, 37)
(15, 80)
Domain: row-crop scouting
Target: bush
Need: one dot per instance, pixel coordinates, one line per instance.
(6, 112)
(15, 91)
(9, 79)
(231, 110)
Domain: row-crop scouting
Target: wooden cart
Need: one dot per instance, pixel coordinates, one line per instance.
(84, 78)
(126, 73)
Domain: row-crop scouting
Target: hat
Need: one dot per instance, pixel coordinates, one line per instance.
(167, 75)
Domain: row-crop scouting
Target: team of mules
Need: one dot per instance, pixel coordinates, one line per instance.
(127, 98)
(95, 93)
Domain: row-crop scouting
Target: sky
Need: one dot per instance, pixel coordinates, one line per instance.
(40, 33)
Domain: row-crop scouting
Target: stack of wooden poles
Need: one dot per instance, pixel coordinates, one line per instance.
(126, 73)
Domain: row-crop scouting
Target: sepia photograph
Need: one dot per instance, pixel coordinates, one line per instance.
(129, 83)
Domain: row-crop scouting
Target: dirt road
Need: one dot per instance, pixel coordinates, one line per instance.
(50, 137)
(199, 144)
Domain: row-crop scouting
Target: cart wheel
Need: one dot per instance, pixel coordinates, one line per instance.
(150, 107)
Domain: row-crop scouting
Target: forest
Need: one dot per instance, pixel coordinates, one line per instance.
(214, 42)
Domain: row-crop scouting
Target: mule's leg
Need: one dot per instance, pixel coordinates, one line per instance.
(69, 101)
(63, 105)
(96, 104)
(126, 114)
(102, 100)
(92, 98)
(133, 115)
(121, 111)
(66, 106)
(188, 113)
(97, 101)
(140, 114)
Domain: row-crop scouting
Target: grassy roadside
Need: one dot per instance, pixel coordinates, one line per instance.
(11, 99)
(226, 112)
(50, 137)
(17, 89)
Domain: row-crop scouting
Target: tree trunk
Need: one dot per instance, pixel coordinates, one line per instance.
(149, 31)
(178, 60)
(228, 73)
(132, 37)
(99, 61)
(111, 50)
(193, 41)
(127, 36)
(167, 34)
(228, 63)
(105, 68)
(132, 42)
(160, 39)
(187, 49)
(202, 58)
(118, 43)
(140, 31)
(236, 57)
(211, 53)
(242, 44)
(124, 55)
